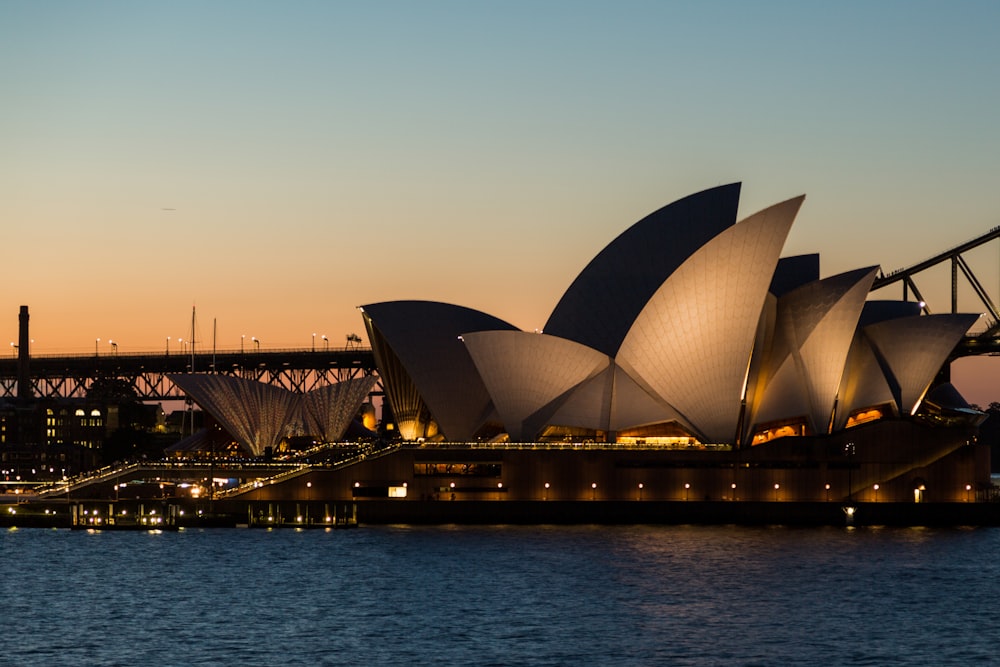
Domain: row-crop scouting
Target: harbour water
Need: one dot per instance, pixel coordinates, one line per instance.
(397, 595)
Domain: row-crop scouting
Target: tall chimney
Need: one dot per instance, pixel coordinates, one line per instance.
(23, 354)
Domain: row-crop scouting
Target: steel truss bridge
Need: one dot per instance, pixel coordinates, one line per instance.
(986, 341)
(299, 370)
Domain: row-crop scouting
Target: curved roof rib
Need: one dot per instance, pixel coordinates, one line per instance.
(814, 328)
(605, 298)
(425, 368)
(691, 344)
(530, 376)
(864, 384)
(328, 411)
(256, 414)
(911, 351)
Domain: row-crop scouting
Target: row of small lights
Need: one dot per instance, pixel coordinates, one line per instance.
(687, 487)
(181, 341)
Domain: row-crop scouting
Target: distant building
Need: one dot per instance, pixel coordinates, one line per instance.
(51, 437)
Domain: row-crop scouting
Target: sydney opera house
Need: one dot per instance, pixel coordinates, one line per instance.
(688, 360)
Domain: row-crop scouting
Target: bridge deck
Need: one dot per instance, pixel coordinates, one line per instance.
(64, 376)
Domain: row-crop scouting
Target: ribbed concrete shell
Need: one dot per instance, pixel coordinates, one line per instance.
(260, 415)
(328, 411)
(631, 406)
(815, 324)
(691, 344)
(256, 414)
(427, 373)
(600, 305)
(683, 318)
(794, 272)
(530, 376)
(878, 310)
(911, 350)
(864, 384)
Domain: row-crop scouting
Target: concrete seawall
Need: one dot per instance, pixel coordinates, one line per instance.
(471, 512)
(652, 512)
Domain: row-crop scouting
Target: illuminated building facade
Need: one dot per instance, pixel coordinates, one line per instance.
(688, 361)
(687, 329)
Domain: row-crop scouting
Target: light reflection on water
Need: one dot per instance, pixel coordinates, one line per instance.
(677, 595)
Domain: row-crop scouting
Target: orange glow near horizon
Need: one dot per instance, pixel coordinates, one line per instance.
(329, 173)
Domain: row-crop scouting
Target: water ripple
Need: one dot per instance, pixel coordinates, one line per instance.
(681, 595)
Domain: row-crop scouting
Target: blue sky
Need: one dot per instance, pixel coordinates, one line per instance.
(279, 164)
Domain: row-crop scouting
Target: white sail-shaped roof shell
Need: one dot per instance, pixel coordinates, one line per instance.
(260, 415)
(328, 411)
(531, 375)
(692, 342)
(912, 350)
(434, 377)
(613, 401)
(864, 384)
(256, 414)
(605, 298)
(815, 324)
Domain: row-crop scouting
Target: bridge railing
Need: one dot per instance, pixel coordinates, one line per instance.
(199, 353)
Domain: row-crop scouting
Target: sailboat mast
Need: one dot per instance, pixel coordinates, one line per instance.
(192, 339)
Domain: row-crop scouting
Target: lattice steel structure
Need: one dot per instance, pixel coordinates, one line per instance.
(298, 370)
(958, 265)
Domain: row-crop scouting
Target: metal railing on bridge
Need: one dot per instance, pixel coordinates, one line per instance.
(71, 376)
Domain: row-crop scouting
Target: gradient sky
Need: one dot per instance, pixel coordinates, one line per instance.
(278, 164)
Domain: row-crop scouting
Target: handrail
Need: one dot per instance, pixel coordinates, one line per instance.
(902, 273)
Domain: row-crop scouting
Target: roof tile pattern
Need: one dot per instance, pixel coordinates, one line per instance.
(692, 342)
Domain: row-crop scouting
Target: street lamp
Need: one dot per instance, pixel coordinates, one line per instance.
(326, 342)
(849, 451)
(875, 488)
(640, 490)
(827, 493)
(97, 349)
(546, 495)
(314, 342)
(968, 488)
(114, 346)
(776, 487)
(256, 342)
(168, 346)
(242, 340)
(687, 491)
(593, 491)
